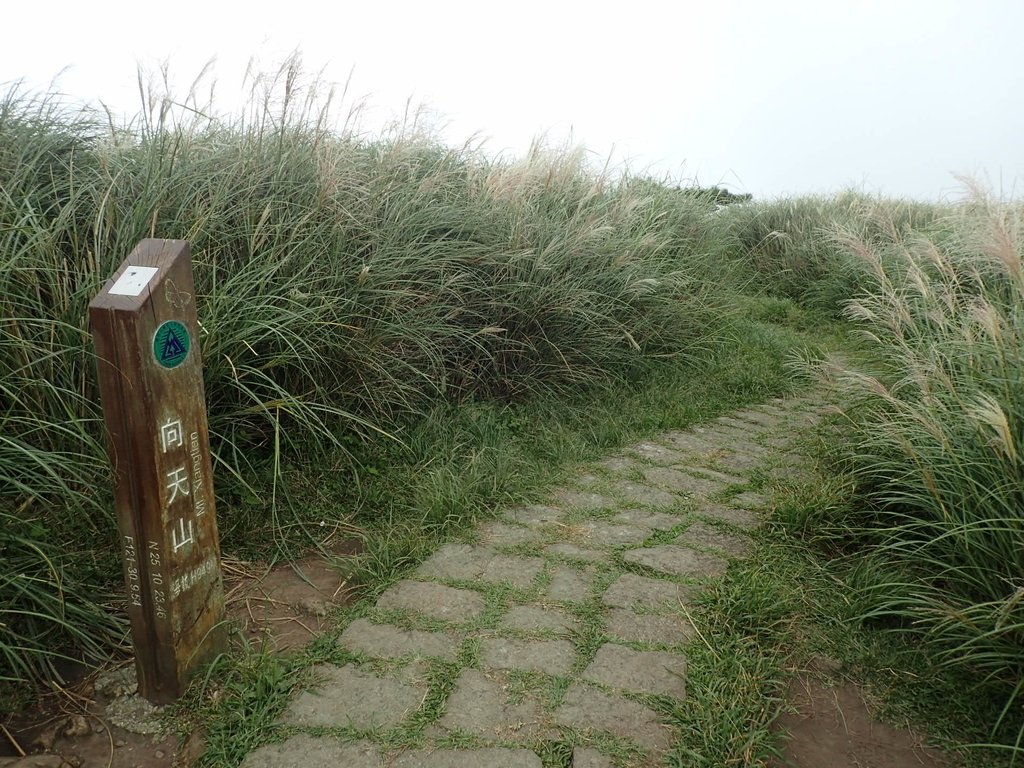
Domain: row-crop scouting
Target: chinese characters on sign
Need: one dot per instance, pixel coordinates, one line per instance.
(185, 499)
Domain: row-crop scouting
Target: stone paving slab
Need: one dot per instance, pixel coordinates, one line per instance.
(673, 480)
(648, 628)
(536, 515)
(350, 696)
(570, 551)
(645, 495)
(466, 562)
(719, 477)
(550, 657)
(583, 500)
(677, 561)
(657, 453)
(749, 500)
(384, 641)
(688, 442)
(732, 440)
(704, 535)
(479, 705)
(434, 600)
(652, 672)
(763, 418)
(738, 461)
(741, 518)
(684, 482)
(586, 708)
(569, 585)
(643, 517)
(737, 440)
(493, 757)
(639, 592)
(599, 533)
(742, 426)
(497, 534)
(518, 572)
(539, 618)
(618, 465)
(305, 751)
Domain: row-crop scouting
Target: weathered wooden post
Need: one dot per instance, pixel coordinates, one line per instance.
(151, 382)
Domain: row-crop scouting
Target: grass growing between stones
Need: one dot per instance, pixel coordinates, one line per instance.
(793, 601)
(463, 464)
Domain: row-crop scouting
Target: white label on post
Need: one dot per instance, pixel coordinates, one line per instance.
(133, 281)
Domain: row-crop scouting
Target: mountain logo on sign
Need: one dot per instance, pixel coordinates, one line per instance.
(171, 344)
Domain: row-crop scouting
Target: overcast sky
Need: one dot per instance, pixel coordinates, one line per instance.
(768, 97)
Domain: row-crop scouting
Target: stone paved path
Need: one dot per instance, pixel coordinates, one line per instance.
(563, 622)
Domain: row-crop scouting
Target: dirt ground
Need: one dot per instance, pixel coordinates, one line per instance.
(833, 727)
(285, 606)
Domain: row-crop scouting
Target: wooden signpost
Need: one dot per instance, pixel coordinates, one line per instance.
(151, 383)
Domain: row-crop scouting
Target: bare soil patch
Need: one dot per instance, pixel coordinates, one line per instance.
(284, 606)
(833, 727)
(287, 605)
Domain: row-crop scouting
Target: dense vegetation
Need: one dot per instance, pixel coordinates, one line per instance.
(357, 295)
(933, 417)
(345, 286)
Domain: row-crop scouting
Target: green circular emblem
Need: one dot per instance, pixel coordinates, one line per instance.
(171, 343)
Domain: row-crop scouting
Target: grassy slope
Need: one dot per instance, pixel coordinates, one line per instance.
(494, 317)
(464, 462)
(788, 603)
(930, 543)
(347, 288)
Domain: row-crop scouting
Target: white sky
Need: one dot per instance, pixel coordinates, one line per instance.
(765, 96)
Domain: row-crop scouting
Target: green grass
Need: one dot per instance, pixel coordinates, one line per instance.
(908, 677)
(793, 248)
(928, 447)
(793, 599)
(400, 338)
(460, 463)
(503, 455)
(350, 289)
(932, 433)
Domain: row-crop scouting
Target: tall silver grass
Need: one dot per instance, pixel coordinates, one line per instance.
(940, 434)
(344, 282)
